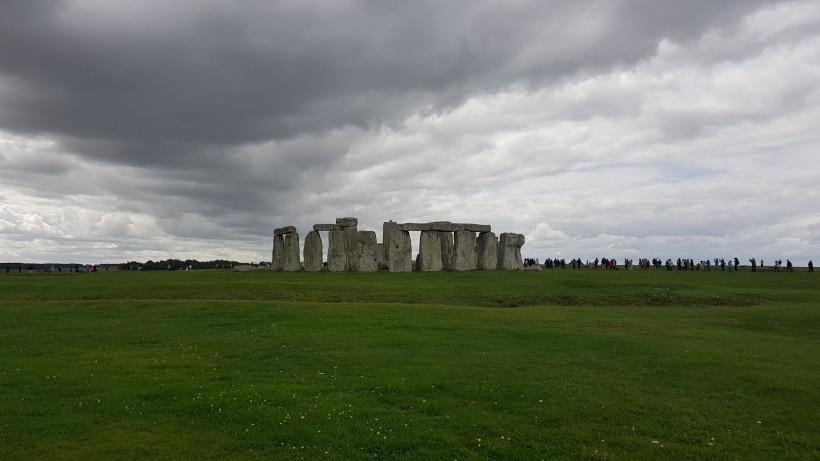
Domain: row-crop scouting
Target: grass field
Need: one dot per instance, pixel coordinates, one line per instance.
(593, 365)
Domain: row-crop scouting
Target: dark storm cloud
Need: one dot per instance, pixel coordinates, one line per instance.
(167, 83)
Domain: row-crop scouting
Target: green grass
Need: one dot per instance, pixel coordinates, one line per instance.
(482, 365)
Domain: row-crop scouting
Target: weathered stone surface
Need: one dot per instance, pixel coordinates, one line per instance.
(430, 248)
(313, 252)
(291, 262)
(509, 251)
(443, 226)
(336, 253)
(465, 252)
(446, 250)
(351, 235)
(249, 268)
(381, 257)
(387, 230)
(487, 251)
(347, 222)
(399, 251)
(278, 255)
(326, 227)
(284, 230)
(367, 251)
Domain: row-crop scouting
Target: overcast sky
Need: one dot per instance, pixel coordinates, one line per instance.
(618, 128)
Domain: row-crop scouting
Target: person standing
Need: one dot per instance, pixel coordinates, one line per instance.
(811, 266)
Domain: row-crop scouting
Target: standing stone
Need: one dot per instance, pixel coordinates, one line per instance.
(351, 236)
(465, 252)
(292, 263)
(278, 256)
(430, 251)
(367, 252)
(509, 251)
(399, 250)
(313, 252)
(336, 253)
(446, 239)
(387, 230)
(487, 251)
(381, 257)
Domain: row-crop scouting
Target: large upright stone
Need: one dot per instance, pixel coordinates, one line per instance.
(351, 236)
(399, 251)
(291, 262)
(366, 251)
(381, 257)
(313, 252)
(446, 250)
(487, 251)
(388, 228)
(509, 251)
(278, 255)
(336, 252)
(430, 249)
(465, 252)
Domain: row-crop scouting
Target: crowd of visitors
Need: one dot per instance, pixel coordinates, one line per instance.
(682, 264)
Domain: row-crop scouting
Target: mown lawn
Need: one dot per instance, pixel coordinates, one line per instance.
(482, 365)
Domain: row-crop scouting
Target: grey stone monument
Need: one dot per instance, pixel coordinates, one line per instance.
(430, 251)
(278, 256)
(509, 251)
(351, 238)
(487, 251)
(465, 252)
(336, 251)
(366, 252)
(292, 263)
(313, 251)
(398, 249)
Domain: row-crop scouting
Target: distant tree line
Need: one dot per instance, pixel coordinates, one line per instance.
(165, 264)
(178, 264)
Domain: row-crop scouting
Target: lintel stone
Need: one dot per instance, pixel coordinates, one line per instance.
(284, 230)
(444, 227)
(347, 222)
(326, 227)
